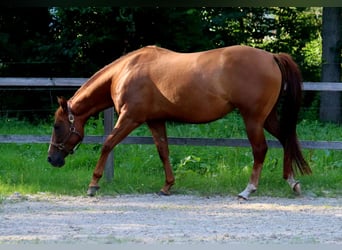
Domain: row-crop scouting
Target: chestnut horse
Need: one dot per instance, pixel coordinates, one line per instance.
(153, 85)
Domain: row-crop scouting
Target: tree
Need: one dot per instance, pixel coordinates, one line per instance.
(89, 38)
(22, 40)
(330, 107)
(179, 29)
(75, 42)
(232, 26)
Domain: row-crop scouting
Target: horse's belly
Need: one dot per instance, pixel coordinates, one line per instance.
(200, 113)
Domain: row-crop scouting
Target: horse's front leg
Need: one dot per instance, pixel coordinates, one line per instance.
(122, 128)
(158, 131)
(100, 165)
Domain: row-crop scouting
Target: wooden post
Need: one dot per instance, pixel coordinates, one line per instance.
(108, 127)
(330, 103)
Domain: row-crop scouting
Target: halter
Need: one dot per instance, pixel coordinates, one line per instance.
(72, 130)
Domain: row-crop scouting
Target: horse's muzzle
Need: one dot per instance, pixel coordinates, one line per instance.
(56, 160)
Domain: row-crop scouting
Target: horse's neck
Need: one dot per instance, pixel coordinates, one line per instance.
(93, 97)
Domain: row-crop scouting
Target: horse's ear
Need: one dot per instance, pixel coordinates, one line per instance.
(63, 103)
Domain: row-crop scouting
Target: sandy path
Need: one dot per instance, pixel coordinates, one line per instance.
(175, 219)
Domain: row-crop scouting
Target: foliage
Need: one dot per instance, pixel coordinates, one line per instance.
(92, 37)
(24, 42)
(85, 39)
(231, 26)
(297, 32)
(77, 41)
(291, 30)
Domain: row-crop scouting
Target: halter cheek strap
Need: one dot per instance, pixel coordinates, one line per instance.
(72, 130)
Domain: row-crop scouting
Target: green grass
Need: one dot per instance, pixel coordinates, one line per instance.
(198, 170)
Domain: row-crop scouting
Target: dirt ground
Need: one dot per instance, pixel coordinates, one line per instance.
(154, 219)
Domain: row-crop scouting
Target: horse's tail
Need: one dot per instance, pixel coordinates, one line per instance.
(291, 96)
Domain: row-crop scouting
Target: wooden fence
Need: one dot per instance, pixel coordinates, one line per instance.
(11, 83)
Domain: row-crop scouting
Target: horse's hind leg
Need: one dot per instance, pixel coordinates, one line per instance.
(257, 139)
(272, 125)
(122, 128)
(158, 131)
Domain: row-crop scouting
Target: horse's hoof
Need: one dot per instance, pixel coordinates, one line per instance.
(246, 193)
(92, 190)
(164, 193)
(242, 198)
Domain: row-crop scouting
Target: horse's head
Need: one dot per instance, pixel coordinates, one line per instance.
(67, 134)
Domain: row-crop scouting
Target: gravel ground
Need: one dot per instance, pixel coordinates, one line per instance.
(166, 220)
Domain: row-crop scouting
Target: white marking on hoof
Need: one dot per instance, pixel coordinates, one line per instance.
(297, 188)
(295, 185)
(248, 190)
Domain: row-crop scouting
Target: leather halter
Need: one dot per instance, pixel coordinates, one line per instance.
(72, 130)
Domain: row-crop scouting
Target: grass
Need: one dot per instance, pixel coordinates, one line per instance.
(198, 170)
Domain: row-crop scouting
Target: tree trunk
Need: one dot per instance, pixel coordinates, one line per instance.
(330, 107)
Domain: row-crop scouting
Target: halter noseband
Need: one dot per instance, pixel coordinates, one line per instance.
(72, 130)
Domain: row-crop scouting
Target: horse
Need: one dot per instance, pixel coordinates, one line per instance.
(154, 85)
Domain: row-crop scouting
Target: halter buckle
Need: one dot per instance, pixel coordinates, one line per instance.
(71, 118)
(60, 146)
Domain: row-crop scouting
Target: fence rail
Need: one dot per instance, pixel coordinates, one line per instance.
(11, 83)
(50, 83)
(219, 142)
